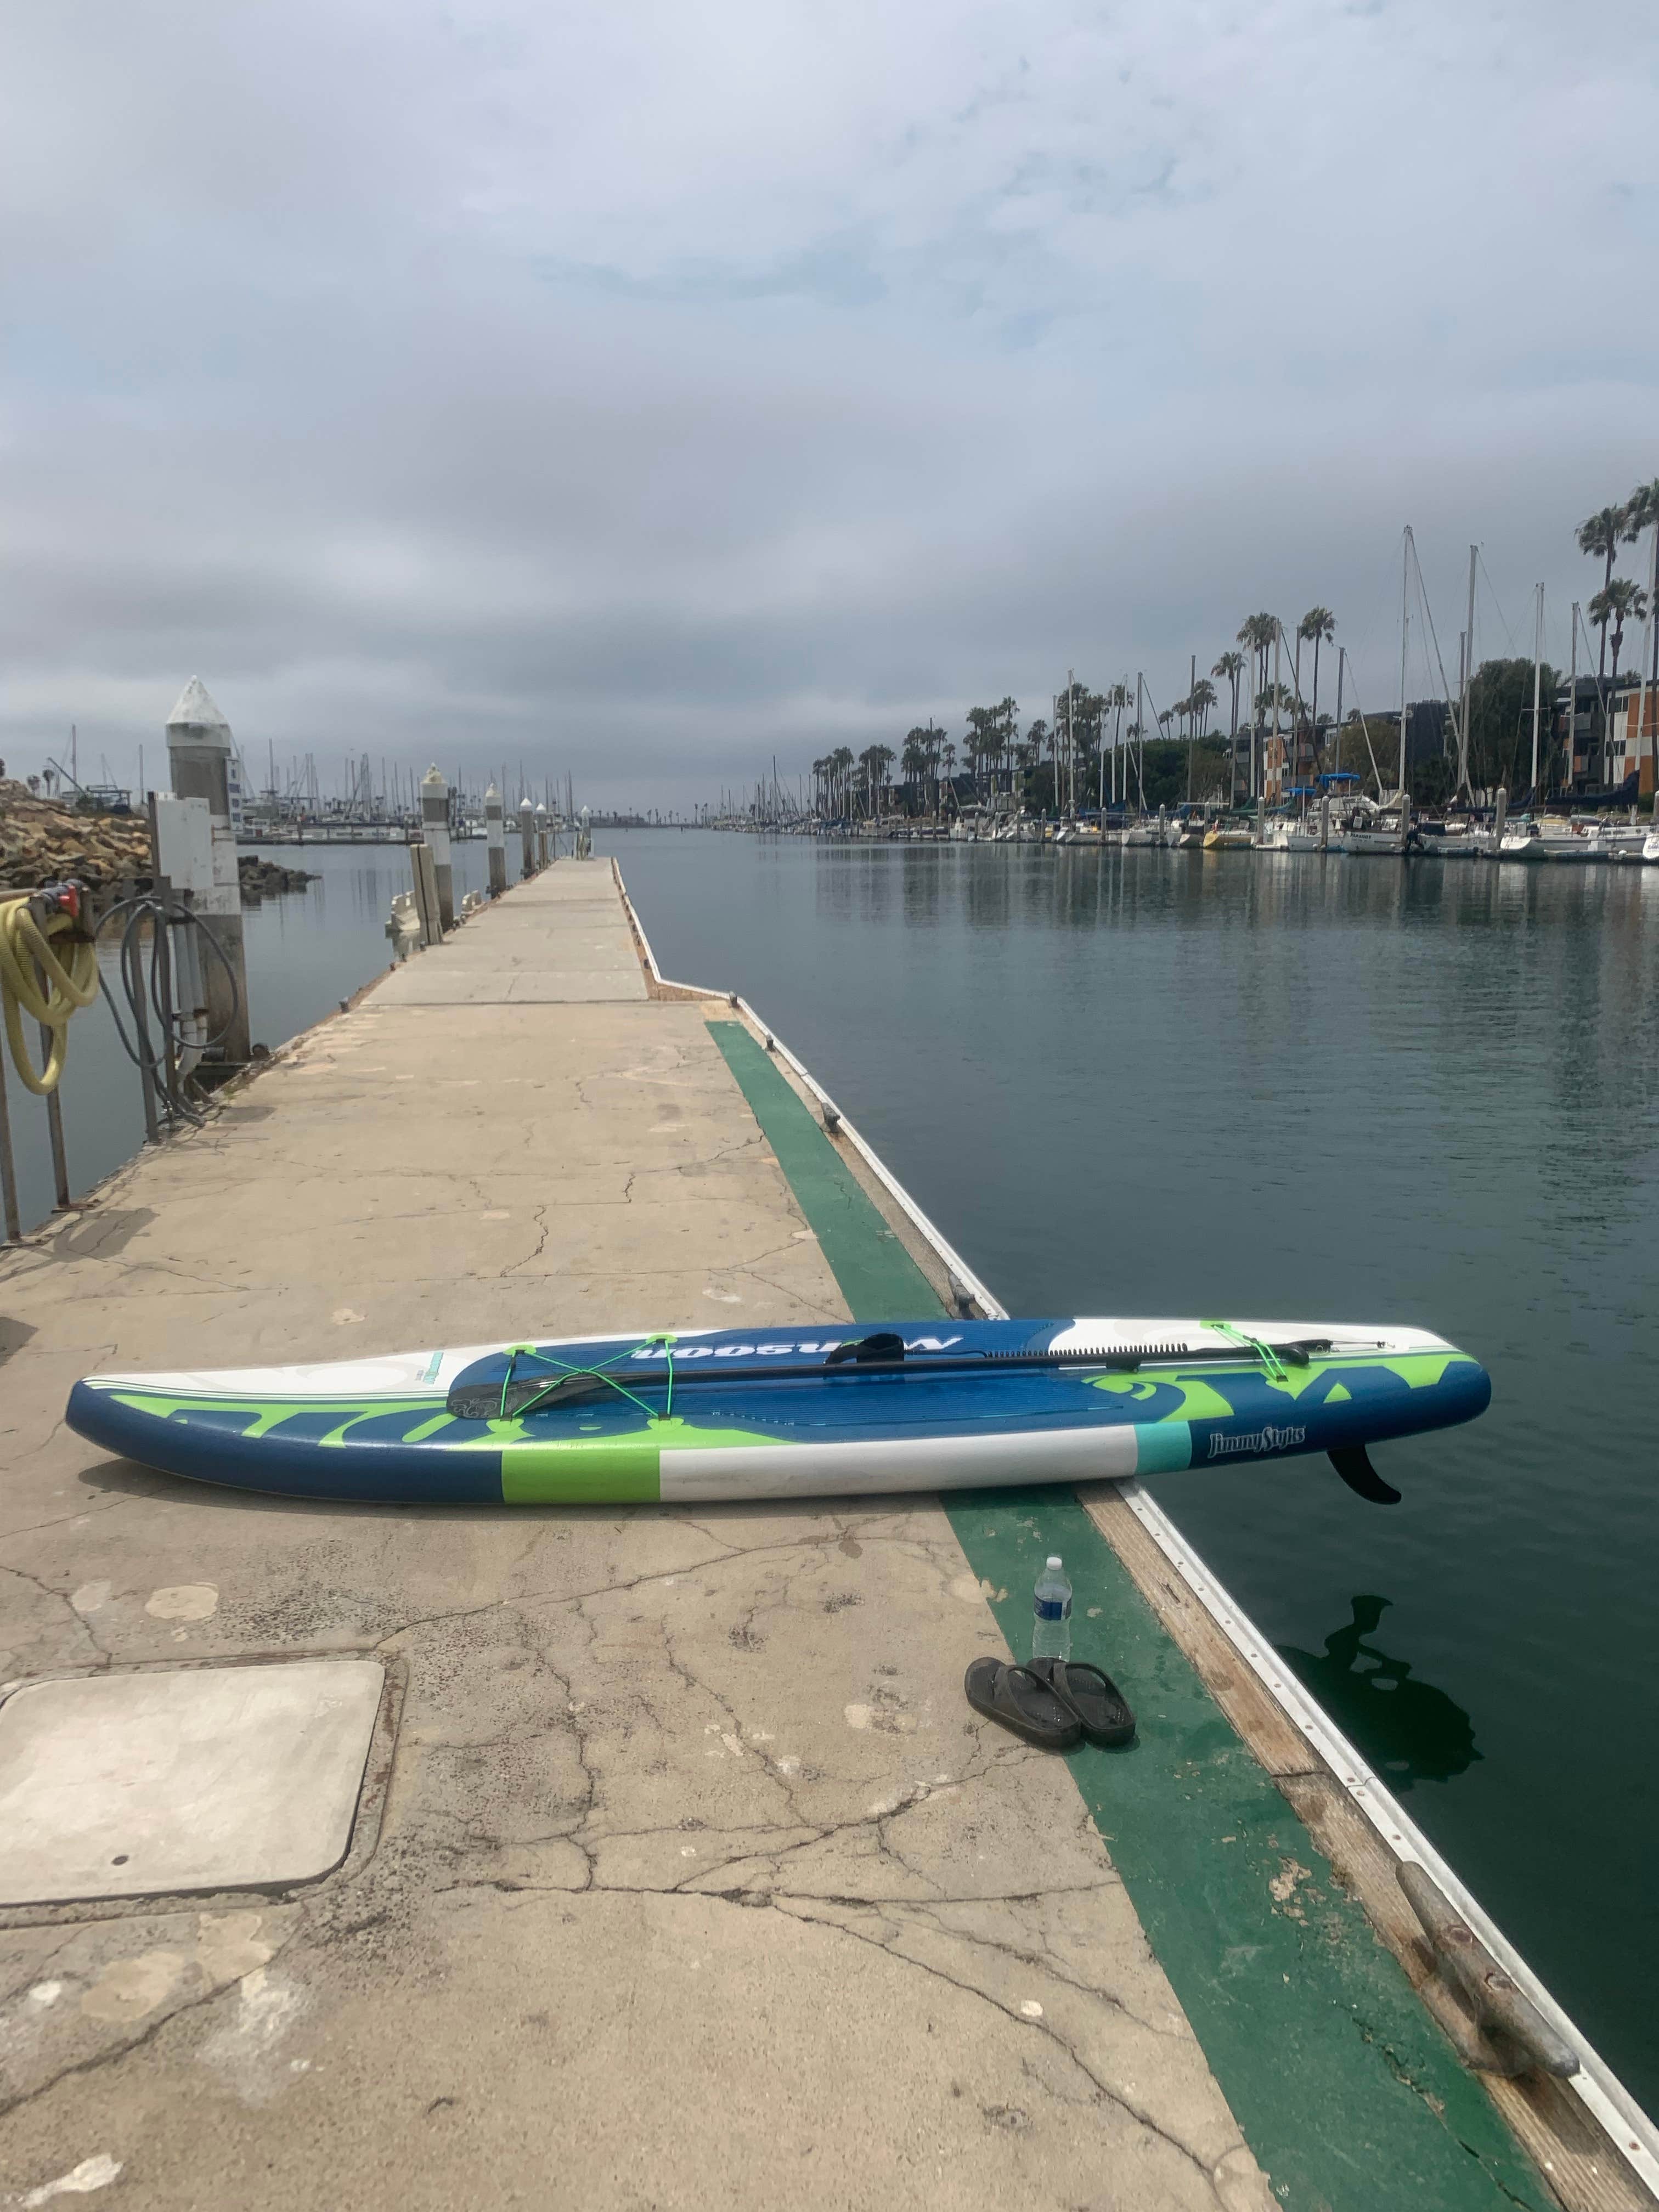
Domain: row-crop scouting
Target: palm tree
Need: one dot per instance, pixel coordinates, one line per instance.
(1642, 512)
(1317, 626)
(914, 761)
(1256, 635)
(1203, 698)
(1616, 603)
(1599, 537)
(1230, 666)
(1030, 755)
(874, 762)
(1007, 731)
(983, 738)
(1619, 602)
(840, 772)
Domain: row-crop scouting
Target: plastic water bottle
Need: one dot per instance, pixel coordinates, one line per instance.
(1051, 1611)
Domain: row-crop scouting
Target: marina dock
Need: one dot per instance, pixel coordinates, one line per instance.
(680, 1871)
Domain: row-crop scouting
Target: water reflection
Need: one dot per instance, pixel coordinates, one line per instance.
(1146, 1082)
(1408, 1730)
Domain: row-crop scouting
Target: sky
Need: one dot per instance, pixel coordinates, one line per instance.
(639, 391)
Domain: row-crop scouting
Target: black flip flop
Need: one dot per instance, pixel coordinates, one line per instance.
(1014, 1697)
(1093, 1699)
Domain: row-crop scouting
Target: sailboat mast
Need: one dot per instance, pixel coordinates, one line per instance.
(1192, 724)
(1573, 700)
(1279, 632)
(1405, 631)
(1537, 686)
(1071, 744)
(1639, 752)
(1468, 682)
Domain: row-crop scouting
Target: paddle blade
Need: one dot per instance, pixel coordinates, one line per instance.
(485, 1401)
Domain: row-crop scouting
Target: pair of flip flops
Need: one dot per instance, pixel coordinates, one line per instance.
(1055, 1704)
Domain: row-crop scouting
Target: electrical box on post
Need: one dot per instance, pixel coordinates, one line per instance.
(184, 842)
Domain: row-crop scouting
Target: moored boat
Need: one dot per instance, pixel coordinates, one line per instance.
(1383, 830)
(1290, 833)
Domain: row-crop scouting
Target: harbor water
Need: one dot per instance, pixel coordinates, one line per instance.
(1319, 1089)
(1272, 1085)
(306, 950)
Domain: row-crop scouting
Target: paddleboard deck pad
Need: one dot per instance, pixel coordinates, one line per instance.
(802, 1412)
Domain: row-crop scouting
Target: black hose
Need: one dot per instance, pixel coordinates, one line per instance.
(146, 991)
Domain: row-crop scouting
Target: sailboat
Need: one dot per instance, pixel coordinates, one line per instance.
(1290, 833)
(1378, 829)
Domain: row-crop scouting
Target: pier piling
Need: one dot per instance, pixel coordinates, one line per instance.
(496, 832)
(426, 893)
(527, 839)
(434, 824)
(198, 757)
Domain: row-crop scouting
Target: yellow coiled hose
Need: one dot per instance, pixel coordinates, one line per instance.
(34, 981)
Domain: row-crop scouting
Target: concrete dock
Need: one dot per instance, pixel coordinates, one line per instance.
(681, 1873)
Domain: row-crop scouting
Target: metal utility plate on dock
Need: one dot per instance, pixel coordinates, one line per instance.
(199, 1778)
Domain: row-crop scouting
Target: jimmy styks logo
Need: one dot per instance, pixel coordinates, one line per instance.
(1261, 1440)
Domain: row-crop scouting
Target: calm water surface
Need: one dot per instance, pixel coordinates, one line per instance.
(1321, 1089)
(1170, 1083)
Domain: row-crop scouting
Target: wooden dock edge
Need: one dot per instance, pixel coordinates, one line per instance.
(1595, 2147)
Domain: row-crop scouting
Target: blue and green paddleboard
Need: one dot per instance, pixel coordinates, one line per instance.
(793, 1413)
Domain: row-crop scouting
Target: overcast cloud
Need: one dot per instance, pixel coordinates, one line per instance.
(642, 389)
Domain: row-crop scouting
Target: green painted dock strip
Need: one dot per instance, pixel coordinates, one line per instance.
(1345, 2089)
(876, 1275)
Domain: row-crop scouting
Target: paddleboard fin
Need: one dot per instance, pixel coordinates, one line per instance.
(1355, 1469)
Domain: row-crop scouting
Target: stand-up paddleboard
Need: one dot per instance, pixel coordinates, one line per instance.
(793, 1413)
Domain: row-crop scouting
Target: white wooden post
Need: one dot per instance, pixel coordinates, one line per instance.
(495, 830)
(435, 828)
(199, 748)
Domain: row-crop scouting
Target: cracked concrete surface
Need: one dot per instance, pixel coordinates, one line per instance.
(697, 1878)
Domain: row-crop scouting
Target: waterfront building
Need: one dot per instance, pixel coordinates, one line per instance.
(1613, 743)
(1634, 742)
